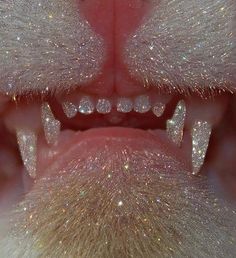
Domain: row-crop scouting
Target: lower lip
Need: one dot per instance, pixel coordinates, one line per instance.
(110, 143)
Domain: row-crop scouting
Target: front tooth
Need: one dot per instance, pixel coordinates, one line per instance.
(86, 106)
(142, 104)
(158, 109)
(27, 141)
(69, 109)
(201, 133)
(124, 105)
(50, 124)
(104, 106)
(175, 125)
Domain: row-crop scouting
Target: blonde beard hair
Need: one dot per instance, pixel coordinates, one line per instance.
(109, 205)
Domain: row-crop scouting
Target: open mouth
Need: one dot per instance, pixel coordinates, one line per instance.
(125, 149)
(112, 142)
(184, 124)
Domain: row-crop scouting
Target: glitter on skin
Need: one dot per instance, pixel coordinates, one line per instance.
(186, 45)
(46, 45)
(51, 125)
(146, 211)
(201, 133)
(175, 125)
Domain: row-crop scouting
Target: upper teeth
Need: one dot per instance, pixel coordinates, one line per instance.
(158, 109)
(103, 106)
(124, 105)
(175, 125)
(87, 106)
(50, 124)
(69, 109)
(142, 104)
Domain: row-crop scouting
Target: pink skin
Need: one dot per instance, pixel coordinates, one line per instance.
(114, 21)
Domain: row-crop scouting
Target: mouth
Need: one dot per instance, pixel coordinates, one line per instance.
(180, 123)
(46, 130)
(121, 153)
(126, 153)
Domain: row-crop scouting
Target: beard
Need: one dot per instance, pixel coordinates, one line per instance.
(124, 203)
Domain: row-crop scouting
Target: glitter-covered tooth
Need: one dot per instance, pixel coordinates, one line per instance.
(27, 141)
(201, 133)
(104, 106)
(86, 105)
(175, 125)
(69, 109)
(142, 104)
(50, 124)
(158, 109)
(124, 105)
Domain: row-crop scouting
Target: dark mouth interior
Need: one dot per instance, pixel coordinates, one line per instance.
(131, 120)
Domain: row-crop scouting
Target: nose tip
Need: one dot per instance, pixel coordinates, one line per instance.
(115, 21)
(113, 18)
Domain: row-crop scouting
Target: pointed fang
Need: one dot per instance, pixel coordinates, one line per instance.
(50, 124)
(175, 125)
(27, 141)
(201, 133)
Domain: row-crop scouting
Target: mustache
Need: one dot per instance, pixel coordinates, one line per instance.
(103, 206)
(182, 45)
(45, 46)
(189, 45)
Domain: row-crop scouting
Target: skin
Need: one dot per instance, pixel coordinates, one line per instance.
(106, 201)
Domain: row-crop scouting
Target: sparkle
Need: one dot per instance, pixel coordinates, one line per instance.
(86, 105)
(55, 30)
(158, 109)
(104, 106)
(142, 104)
(201, 133)
(69, 109)
(170, 49)
(124, 105)
(175, 125)
(27, 141)
(120, 203)
(126, 166)
(50, 123)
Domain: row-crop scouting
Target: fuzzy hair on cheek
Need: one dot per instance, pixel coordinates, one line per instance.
(186, 45)
(46, 45)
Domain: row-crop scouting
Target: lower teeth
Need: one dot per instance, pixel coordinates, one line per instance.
(201, 133)
(27, 141)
